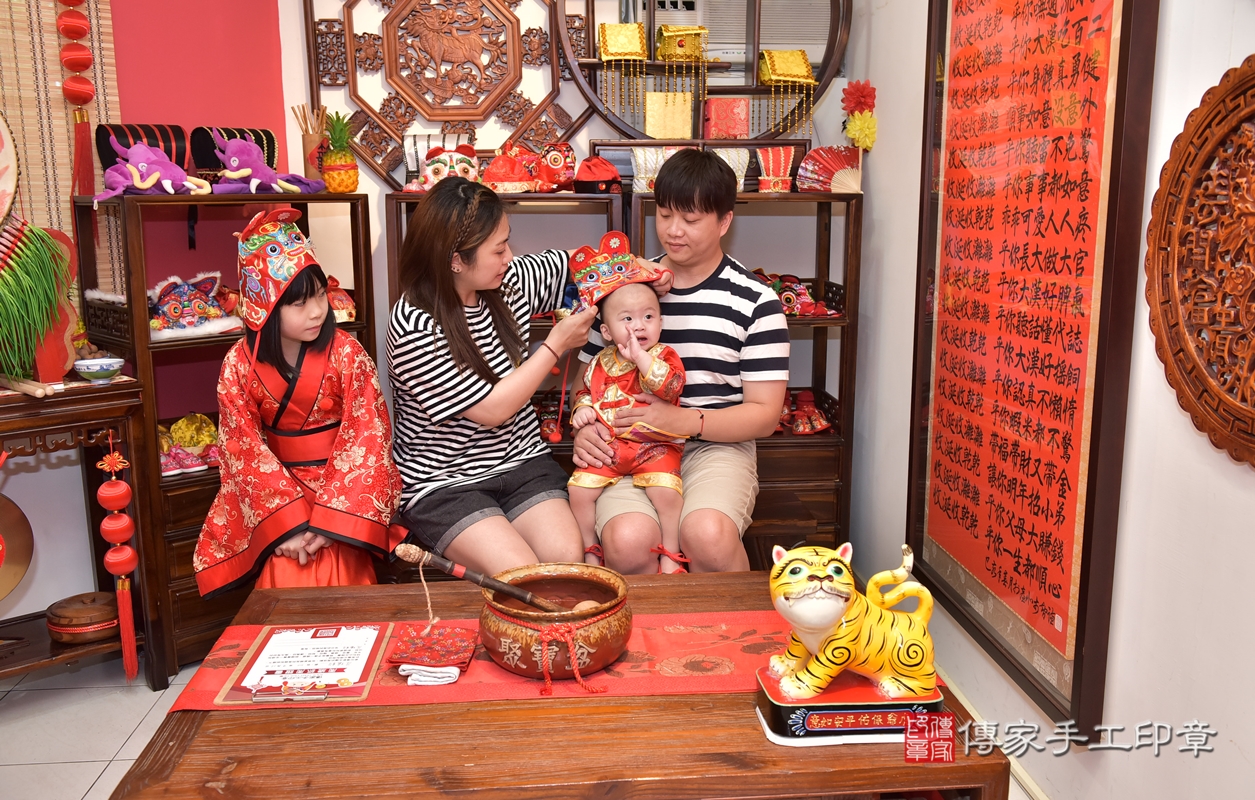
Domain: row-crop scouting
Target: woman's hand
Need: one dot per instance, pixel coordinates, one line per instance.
(571, 332)
(591, 446)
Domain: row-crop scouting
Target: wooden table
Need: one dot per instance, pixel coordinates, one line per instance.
(678, 746)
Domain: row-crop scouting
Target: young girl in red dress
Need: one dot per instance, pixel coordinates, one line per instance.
(308, 481)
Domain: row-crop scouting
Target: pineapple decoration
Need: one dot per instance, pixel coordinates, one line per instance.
(339, 166)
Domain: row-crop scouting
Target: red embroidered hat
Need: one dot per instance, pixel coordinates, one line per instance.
(272, 252)
(596, 175)
(506, 174)
(598, 273)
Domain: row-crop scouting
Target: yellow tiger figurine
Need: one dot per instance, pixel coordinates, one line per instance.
(836, 628)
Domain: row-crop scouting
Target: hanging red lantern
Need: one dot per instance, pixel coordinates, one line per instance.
(76, 57)
(117, 528)
(120, 560)
(73, 25)
(114, 495)
(78, 90)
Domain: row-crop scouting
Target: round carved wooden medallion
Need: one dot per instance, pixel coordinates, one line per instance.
(1200, 264)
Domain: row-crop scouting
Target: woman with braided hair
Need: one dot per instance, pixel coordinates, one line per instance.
(479, 484)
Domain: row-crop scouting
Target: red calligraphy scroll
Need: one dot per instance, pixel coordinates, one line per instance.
(1026, 126)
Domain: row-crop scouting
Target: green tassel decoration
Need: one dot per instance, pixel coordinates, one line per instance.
(34, 273)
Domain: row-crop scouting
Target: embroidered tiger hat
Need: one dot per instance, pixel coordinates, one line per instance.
(273, 251)
(598, 273)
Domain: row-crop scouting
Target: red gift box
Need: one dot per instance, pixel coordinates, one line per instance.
(726, 118)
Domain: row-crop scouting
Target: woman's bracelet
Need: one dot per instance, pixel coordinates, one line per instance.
(556, 357)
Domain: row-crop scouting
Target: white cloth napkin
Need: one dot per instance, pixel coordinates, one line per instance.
(416, 675)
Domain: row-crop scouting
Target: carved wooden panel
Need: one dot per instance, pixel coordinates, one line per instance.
(535, 47)
(452, 63)
(577, 30)
(332, 60)
(1200, 264)
(453, 59)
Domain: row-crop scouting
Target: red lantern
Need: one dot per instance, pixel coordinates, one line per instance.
(121, 559)
(117, 528)
(78, 90)
(71, 2)
(114, 495)
(76, 57)
(73, 24)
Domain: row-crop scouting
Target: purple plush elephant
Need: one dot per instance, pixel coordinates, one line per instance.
(147, 170)
(245, 170)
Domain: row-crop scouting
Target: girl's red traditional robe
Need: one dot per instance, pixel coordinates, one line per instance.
(314, 455)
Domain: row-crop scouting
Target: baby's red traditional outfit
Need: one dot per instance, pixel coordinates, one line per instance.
(649, 455)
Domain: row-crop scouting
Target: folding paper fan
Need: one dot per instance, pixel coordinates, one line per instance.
(831, 169)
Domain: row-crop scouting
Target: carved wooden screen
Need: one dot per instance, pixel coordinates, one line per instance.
(1200, 265)
(410, 72)
(1030, 217)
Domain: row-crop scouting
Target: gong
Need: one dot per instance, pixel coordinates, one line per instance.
(16, 545)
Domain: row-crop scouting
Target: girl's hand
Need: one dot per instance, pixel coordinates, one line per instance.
(313, 542)
(294, 548)
(583, 415)
(571, 332)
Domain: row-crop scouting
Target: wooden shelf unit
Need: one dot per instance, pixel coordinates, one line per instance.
(804, 481)
(787, 464)
(174, 509)
(81, 418)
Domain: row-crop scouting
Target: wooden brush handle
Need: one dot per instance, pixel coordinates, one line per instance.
(417, 555)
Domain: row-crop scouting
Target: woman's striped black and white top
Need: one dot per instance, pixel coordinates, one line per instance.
(728, 330)
(434, 445)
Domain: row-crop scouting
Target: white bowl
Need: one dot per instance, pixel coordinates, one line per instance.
(98, 370)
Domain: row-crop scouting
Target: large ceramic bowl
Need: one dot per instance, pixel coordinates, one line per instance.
(512, 634)
(98, 370)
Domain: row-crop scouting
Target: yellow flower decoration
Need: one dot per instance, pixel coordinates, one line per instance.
(861, 128)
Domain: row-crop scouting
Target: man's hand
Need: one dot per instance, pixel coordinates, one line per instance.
(658, 413)
(590, 446)
(584, 415)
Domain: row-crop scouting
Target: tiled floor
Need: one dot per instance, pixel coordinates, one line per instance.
(72, 732)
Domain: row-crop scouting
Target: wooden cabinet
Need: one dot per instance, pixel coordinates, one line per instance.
(174, 508)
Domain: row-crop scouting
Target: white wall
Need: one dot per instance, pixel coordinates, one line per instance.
(1179, 645)
(49, 489)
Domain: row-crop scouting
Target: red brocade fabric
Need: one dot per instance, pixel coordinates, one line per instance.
(351, 496)
(710, 653)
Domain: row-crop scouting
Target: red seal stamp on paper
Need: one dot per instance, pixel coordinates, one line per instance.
(930, 739)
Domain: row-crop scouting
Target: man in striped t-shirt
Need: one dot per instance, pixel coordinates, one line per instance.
(730, 332)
